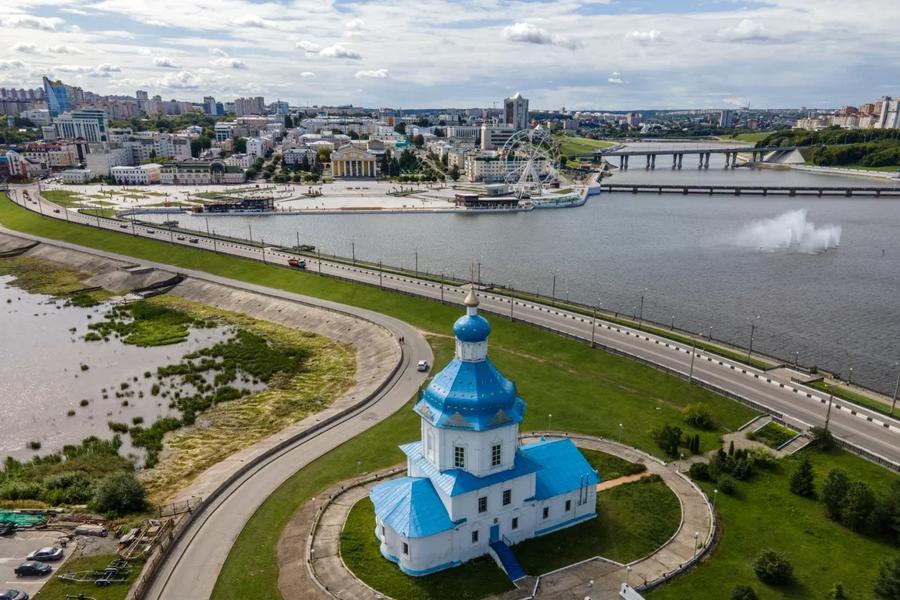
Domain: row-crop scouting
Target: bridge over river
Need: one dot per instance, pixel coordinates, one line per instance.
(677, 154)
(751, 190)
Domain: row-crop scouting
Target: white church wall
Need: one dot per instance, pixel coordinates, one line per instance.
(422, 554)
(477, 446)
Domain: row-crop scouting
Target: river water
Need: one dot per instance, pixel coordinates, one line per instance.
(706, 261)
(41, 353)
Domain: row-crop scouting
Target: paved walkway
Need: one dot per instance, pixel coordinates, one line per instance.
(573, 582)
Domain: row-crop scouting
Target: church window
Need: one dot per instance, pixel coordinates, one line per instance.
(507, 497)
(515, 523)
(546, 512)
(482, 504)
(475, 537)
(405, 548)
(496, 455)
(459, 457)
(568, 505)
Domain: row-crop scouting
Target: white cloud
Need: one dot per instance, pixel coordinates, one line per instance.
(308, 46)
(734, 101)
(64, 50)
(340, 51)
(528, 33)
(73, 68)
(616, 78)
(307, 74)
(23, 48)
(11, 64)
(253, 21)
(156, 23)
(103, 70)
(746, 31)
(218, 52)
(182, 80)
(646, 37)
(374, 74)
(29, 22)
(354, 27)
(231, 63)
(165, 62)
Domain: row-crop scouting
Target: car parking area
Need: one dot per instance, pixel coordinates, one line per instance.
(14, 549)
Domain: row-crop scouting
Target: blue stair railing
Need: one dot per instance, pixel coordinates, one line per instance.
(508, 560)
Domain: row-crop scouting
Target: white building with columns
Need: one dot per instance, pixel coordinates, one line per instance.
(352, 161)
(471, 488)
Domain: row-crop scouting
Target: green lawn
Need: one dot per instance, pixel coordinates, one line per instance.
(747, 137)
(59, 590)
(63, 197)
(772, 435)
(763, 513)
(633, 520)
(571, 145)
(360, 551)
(611, 467)
(852, 396)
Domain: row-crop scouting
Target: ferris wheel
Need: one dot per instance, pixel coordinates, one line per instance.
(532, 158)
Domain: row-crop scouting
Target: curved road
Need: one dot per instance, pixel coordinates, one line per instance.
(193, 564)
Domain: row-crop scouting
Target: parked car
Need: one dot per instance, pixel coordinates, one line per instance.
(123, 226)
(33, 567)
(422, 365)
(193, 240)
(151, 231)
(48, 554)
(56, 210)
(180, 238)
(13, 595)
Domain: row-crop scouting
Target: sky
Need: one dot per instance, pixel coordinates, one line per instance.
(577, 54)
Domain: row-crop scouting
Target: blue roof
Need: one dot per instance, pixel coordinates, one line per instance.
(471, 328)
(411, 507)
(563, 467)
(454, 482)
(471, 395)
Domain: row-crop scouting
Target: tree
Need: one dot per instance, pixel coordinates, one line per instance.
(324, 155)
(887, 586)
(668, 438)
(240, 145)
(288, 122)
(726, 486)
(834, 491)
(743, 592)
(119, 494)
(353, 135)
(858, 504)
(454, 173)
(837, 592)
(400, 128)
(418, 140)
(803, 480)
(773, 568)
(697, 415)
(821, 438)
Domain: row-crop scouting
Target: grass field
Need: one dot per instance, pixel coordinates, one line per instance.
(570, 145)
(63, 197)
(633, 520)
(360, 551)
(60, 590)
(586, 390)
(746, 137)
(763, 513)
(772, 435)
(611, 467)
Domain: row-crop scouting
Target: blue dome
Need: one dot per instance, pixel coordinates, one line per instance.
(471, 395)
(471, 328)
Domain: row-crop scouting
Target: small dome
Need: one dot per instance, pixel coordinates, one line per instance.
(471, 299)
(471, 328)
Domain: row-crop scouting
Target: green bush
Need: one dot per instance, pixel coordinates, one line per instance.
(887, 585)
(726, 486)
(743, 592)
(697, 415)
(668, 438)
(821, 438)
(119, 494)
(834, 491)
(773, 568)
(803, 480)
(699, 472)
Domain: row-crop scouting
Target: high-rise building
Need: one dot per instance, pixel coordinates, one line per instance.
(250, 106)
(142, 99)
(726, 119)
(61, 97)
(209, 105)
(516, 111)
(89, 125)
(889, 117)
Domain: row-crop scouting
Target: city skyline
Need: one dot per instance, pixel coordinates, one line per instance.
(580, 55)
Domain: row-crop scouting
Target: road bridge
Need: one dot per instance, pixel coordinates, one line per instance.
(650, 154)
(752, 190)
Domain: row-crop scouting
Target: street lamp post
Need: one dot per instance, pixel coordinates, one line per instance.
(594, 323)
(512, 301)
(850, 377)
(549, 421)
(641, 313)
(442, 288)
(710, 333)
(696, 547)
(896, 386)
(621, 430)
(353, 252)
(715, 497)
(796, 359)
(553, 292)
(250, 230)
(673, 323)
(828, 412)
(752, 331)
(380, 275)
(693, 353)
(417, 263)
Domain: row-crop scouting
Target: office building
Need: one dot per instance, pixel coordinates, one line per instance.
(250, 106)
(62, 98)
(515, 111)
(209, 105)
(139, 175)
(89, 125)
(726, 119)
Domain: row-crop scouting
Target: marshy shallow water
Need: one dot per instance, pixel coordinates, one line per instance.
(42, 351)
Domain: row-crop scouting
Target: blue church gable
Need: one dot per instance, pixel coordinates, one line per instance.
(411, 507)
(470, 395)
(455, 482)
(562, 468)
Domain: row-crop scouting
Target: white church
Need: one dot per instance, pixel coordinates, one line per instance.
(471, 489)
